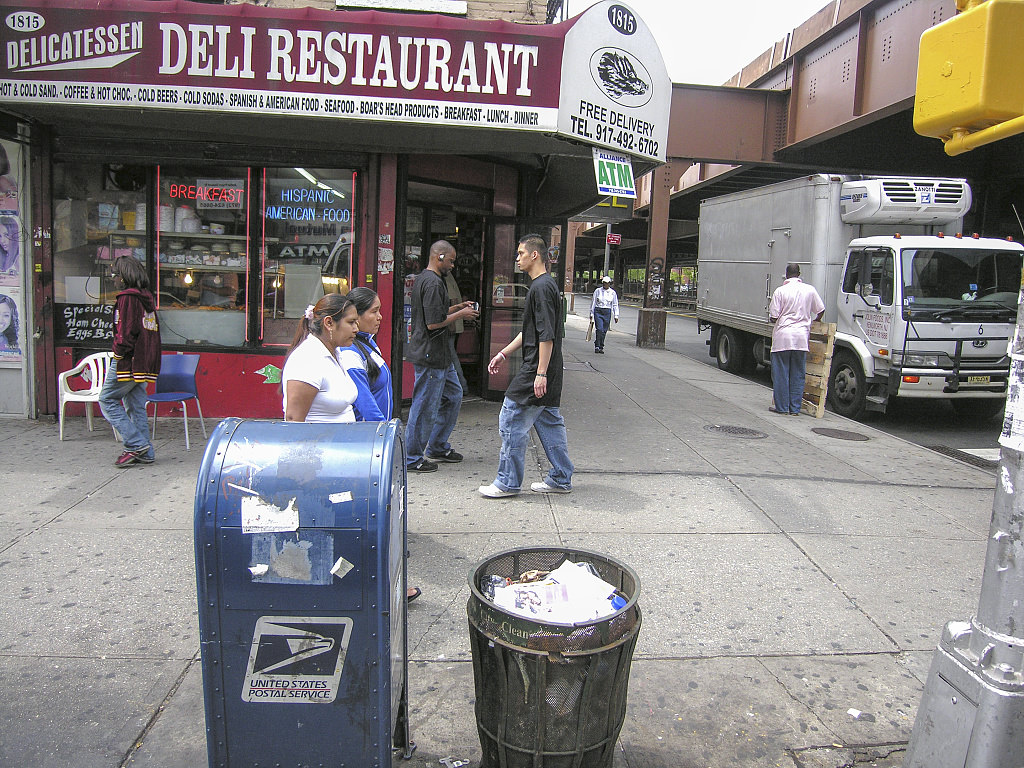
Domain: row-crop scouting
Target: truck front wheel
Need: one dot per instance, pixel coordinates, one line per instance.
(732, 350)
(847, 389)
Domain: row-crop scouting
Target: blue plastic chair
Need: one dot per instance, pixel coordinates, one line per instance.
(177, 384)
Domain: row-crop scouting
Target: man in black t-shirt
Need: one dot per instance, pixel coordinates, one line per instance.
(534, 394)
(437, 394)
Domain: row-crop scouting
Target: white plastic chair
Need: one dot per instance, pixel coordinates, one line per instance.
(92, 369)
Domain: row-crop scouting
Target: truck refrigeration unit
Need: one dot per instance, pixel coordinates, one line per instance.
(920, 310)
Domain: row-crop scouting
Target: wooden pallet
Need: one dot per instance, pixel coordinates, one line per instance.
(819, 361)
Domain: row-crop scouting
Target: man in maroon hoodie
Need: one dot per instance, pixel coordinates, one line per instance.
(137, 354)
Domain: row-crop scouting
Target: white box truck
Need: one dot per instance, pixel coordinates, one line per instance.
(920, 310)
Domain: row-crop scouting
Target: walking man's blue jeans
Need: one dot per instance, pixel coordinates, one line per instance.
(789, 369)
(602, 319)
(436, 400)
(123, 404)
(514, 424)
(452, 338)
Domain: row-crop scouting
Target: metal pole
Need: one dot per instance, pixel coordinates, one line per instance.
(607, 247)
(972, 711)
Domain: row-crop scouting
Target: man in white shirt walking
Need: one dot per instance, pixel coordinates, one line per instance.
(604, 305)
(793, 307)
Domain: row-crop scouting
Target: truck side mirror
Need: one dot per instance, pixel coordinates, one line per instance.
(865, 289)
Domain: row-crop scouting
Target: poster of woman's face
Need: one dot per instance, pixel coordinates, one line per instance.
(10, 251)
(10, 351)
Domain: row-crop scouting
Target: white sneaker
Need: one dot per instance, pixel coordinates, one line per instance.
(494, 492)
(545, 488)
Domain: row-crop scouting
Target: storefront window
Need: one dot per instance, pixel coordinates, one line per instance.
(509, 287)
(202, 247)
(506, 299)
(309, 239)
(99, 214)
(202, 242)
(412, 264)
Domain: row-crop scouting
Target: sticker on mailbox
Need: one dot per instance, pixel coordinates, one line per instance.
(296, 659)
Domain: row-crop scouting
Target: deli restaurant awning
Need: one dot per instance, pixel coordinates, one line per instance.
(337, 80)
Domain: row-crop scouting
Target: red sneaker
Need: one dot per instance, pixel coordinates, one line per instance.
(126, 459)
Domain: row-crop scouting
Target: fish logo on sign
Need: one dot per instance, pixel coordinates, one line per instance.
(296, 659)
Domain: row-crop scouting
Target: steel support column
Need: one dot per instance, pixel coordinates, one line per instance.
(650, 330)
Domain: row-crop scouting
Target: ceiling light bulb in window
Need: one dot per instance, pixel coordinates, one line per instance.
(187, 279)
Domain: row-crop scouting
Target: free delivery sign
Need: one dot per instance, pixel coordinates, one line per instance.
(614, 174)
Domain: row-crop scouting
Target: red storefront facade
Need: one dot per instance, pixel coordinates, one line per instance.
(254, 159)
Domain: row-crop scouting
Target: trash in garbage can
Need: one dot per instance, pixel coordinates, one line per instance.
(548, 693)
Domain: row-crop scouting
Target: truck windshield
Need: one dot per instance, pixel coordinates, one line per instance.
(958, 280)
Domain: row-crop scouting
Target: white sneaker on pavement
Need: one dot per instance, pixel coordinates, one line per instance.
(545, 488)
(494, 492)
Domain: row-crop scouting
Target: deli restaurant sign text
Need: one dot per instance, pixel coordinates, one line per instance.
(598, 79)
(227, 58)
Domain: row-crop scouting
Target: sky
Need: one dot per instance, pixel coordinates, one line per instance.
(708, 41)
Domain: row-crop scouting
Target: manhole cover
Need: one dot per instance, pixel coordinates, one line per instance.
(731, 431)
(976, 461)
(578, 367)
(839, 434)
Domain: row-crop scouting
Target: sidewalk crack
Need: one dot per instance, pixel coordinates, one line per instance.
(859, 754)
(141, 738)
(795, 700)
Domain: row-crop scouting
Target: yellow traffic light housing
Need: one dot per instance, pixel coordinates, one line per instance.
(970, 82)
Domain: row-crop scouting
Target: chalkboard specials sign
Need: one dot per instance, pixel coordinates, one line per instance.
(78, 323)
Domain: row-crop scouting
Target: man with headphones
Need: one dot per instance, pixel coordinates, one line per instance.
(437, 393)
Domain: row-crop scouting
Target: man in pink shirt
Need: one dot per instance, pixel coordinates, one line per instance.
(794, 306)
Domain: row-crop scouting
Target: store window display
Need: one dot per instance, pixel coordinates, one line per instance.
(310, 237)
(203, 245)
(213, 232)
(96, 219)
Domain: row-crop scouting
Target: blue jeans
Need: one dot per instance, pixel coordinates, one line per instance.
(789, 369)
(602, 319)
(514, 427)
(452, 337)
(436, 400)
(123, 404)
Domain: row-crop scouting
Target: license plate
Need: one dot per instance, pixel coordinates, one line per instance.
(979, 379)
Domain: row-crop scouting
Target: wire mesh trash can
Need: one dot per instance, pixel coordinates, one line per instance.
(550, 695)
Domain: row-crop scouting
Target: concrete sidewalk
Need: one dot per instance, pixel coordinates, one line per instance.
(794, 585)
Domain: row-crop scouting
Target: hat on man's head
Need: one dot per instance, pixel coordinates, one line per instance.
(606, 279)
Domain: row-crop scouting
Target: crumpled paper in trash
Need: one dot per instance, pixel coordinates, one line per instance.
(570, 594)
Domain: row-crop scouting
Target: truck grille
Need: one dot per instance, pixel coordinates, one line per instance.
(968, 363)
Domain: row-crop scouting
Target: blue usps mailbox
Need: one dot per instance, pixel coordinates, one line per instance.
(300, 536)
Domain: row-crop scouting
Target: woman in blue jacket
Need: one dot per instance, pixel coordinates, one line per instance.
(367, 368)
(365, 363)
